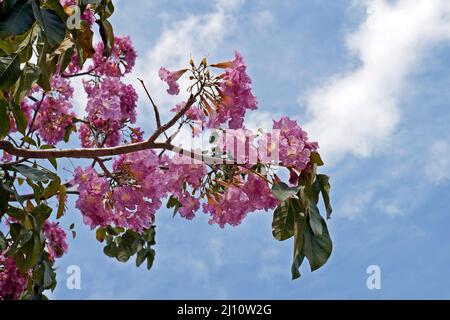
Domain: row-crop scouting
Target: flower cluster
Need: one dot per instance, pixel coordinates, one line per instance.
(130, 201)
(92, 202)
(56, 237)
(237, 201)
(182, 171)
(294, 147)
(50, 113)
(111, 105)
(12, 282)
(120, 62)
(171, 77)
(237, 96)
(140, 187)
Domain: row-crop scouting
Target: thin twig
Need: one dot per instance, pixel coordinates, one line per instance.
(155, 108)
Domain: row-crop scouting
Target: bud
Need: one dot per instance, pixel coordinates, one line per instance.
(223, 65)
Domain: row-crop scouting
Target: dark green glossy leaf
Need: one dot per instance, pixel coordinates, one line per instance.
(18, 20)
(23, 238)
(54, 28)
(30, 75)
(33, 251)
(299, 229)
(322, 185)
(105, 9)
(107, 34)
(19, 116)
(4, 119)
(283, 219)
(3, 242)
(41, 213)
(315, 220)
(140, 257)
(33, 173)
(150, 258)
(9, 70)
(282, 191)
(316, 159)
(317, 249)
(56, 6)
(16, 213)
(4, 198)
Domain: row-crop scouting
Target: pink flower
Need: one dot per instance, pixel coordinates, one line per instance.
(171, 78)
(236, 202)
(12, 282)
(92, 201)
(141, 188)
(56, 238)
(122, 59)
(294, 147)
(111, 105)
(236, 94)
(54, 114)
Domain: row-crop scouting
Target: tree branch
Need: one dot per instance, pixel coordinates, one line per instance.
(155, 108)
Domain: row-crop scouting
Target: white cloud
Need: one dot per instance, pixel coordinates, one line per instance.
(357, 112)
(437, 168)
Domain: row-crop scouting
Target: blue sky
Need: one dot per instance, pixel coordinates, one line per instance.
(369, 80)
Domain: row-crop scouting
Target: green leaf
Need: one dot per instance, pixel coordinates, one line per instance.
(29, 141)
(56, 6)
(30, 75)
(105, 9)
(49, 276)
(19, 43)
(19, 116)
(33, 174)
(4, 119)
(123, 254)
(311, 239)
(54, 28)
(23, 238)
(33, 251)
(45, 68)
(41, 213)
(315, 219)
(316, 159)
(149, 235)
(53, 162)
(16, 213)
(110, 250)
(4, 198)
(284, 219)
(299, 229)
(282, 191)
(3, 242)
(107, 34)
(52, 188)
(317, 249)
(140, 257)
(9, 71)
(322, 185)
(18, 20)
(62, 201)
(150, 258)
(65, 59)
(100, 234)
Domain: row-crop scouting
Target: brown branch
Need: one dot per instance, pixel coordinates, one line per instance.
(155, 108)
(92, 153)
